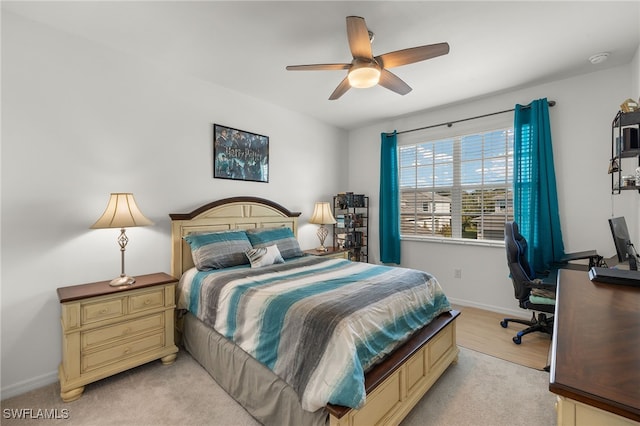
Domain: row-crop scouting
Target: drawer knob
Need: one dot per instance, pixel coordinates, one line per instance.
(147, 301)
(104, 311)
(126, 331)
(126, 351)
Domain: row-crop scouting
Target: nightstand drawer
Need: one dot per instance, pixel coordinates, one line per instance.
(120, 352)
(105, 309)
(148, 300)
(108, 334)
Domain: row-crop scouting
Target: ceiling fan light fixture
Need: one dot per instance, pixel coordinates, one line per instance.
(367, 70)
(364, 75)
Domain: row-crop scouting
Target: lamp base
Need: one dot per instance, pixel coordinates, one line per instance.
(122, 281)
(322, 235)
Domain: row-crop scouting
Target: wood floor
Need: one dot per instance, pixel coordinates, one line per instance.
(480, 331)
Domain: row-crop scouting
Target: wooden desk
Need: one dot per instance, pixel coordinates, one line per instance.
(595, 362)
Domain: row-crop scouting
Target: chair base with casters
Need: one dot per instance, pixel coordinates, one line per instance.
(541, 323)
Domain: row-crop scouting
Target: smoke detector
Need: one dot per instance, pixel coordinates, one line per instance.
(598, 58)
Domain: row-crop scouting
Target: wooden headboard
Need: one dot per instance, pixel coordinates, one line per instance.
(222, 215)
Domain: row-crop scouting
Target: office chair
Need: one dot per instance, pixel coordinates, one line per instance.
(524, 281)
(536, 291)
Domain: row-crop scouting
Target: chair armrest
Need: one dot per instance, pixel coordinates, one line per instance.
(580, 255)
(594, 258)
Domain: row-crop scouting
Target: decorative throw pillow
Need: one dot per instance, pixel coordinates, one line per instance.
(264, 256)
(218, 250)
(283, 237)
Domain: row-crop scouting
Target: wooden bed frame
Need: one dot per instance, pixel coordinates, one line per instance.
(393, 386)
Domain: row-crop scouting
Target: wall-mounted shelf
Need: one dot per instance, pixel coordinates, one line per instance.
(625, 144)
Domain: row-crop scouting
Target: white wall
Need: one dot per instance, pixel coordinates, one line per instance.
(80, 121)
(581, 132)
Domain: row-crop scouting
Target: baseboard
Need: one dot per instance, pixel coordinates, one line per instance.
(513, 313)
(28, 385)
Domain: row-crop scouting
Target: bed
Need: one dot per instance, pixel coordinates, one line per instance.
(392, 384)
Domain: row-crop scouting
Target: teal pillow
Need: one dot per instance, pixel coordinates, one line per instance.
(218, 250)
(282, 237)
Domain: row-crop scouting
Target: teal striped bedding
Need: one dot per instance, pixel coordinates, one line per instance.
(318, 323)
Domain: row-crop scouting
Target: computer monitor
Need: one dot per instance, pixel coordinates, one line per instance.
(624, 248)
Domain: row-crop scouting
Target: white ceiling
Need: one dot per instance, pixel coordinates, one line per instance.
(245, 46)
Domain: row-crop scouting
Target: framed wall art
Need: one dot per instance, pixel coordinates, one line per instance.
(240, 155)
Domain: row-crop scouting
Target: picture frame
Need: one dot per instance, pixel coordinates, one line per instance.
(240, 155)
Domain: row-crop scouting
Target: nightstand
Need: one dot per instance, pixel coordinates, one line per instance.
(107, 330)
(336, 253)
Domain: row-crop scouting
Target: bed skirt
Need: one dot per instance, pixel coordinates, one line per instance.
(266, 397)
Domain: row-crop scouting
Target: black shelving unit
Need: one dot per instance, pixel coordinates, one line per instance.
(625, 144)
(351, 232)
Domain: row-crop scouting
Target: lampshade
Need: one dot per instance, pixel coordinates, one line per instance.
(121, 212)
(364, 74)
(322, 214)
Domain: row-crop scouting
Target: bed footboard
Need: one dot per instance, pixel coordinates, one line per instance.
(395, 386)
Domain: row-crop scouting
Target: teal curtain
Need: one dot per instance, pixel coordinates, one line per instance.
(389, 200)
(534, 184)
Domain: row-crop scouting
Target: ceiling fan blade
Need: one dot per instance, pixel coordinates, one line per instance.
(393, 82)
(358, 36)
(340, 90)
(411, 55)
(318, 67)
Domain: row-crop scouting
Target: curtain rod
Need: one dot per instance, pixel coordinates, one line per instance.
(451, 123)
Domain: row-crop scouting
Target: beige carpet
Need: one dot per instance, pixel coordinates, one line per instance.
(479, 390)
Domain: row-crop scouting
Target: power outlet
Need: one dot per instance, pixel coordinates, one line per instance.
(457, 273)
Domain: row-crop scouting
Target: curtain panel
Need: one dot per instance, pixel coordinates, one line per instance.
(535, 193)
(389, 224)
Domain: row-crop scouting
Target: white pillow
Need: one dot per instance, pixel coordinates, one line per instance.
(264, 256)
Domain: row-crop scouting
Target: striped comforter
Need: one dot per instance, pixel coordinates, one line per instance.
(318, 323)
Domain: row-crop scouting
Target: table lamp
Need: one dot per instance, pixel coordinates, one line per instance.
(322, 216)
(121, 212)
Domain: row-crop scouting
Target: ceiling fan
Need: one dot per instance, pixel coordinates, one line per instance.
(366, 70)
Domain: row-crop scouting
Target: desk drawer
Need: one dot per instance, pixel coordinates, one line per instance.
(115, 332)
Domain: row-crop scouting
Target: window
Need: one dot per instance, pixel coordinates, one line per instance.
(457, 187)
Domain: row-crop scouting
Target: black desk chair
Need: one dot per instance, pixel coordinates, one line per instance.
(524, 281)
(536, 292)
